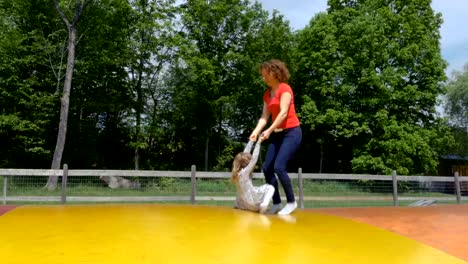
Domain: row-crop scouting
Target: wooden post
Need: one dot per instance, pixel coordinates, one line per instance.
(5, 184)
(301, 189)
(457, 187)
(395, 188)
(64, 184)
(194, 191)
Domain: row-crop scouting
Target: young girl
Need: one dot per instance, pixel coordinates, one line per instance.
(250, 197)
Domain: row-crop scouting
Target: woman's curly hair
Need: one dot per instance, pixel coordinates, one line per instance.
(278, 68)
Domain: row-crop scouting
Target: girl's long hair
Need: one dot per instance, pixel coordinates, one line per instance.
(240, 161)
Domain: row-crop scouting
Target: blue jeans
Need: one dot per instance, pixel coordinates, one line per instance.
(283, 145)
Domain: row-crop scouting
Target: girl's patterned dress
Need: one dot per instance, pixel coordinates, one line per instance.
(250, 197)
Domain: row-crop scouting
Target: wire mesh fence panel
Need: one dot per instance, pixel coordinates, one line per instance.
(464, 189)
(127, 186)
(427, 191)
(346, 193)
(215, 188)
(215, 191)
(95, 188)
(221, 187)
(27, 189)
(130, 189)
(29, 186)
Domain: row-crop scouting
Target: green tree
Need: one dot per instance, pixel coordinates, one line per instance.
(153, 40)
(27, 100)
(370, 72)
(216, 88)
(456, 106)
(70, 21)
(34, 43)
(98, 131)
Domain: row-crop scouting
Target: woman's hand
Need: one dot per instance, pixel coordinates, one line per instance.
(253, 136)
(265, 135)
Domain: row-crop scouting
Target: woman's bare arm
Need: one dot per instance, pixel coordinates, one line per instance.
(261, 122)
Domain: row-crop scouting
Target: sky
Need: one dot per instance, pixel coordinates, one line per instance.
(454, 32)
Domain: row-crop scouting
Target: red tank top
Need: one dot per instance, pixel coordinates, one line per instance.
(273, 104)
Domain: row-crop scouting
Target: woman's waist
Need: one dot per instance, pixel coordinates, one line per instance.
(286, 129)
(289, 122)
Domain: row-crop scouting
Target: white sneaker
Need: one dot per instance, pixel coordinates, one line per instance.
(289, 208)
(274, 209)
(266, 199)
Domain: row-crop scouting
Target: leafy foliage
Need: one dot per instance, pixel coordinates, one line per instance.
(167, 84)
(371, 73)
(456, 106)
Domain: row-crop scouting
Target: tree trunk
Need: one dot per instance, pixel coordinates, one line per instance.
(139, 110)
(207, 144)
(65, 99)
(65, 103)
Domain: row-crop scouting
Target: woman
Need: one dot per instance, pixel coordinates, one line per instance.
(285, 132)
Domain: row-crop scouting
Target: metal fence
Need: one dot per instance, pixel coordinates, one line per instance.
(199, 187)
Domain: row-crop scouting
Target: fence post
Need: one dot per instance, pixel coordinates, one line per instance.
(193, 179)
(64, 184)
(5, 184)
(301, 189)
(395, 188)
(457, 187)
